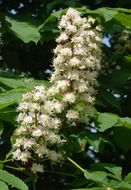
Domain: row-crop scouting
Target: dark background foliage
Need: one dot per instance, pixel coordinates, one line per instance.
(32, 57)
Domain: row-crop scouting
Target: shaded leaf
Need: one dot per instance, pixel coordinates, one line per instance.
(110, 99)
(119, 77)
(22, 83)
(128, 178)
(1, 128)
(12, 180)
(11, 97)
(115, 170)
(97, 176)
(124, 19)
(8, 114)
(122, 137)
(3, 186)
(106, 121)
(26, 31)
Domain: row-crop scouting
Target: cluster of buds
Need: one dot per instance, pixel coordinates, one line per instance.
(43, 112)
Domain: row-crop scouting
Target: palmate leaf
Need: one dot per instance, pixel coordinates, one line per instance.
(80, 140)
(1, 128)
(128, 178)
(26, 31)
(12, 180)
(20, 86)
(97, 176)
(119, 77)
(113, 171)
(106, 13)
(124, 19)
(23, 82)
(122, 137)
(11, 97)
(8, 114)
(3, 186)
(106, 121)
(109, 99)
(51, 21)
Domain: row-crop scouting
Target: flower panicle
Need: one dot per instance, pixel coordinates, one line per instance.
(76, 65)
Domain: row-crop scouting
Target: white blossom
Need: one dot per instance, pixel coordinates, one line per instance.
(37, 168)
(43, 112)
(69, 97)
(37, 133)
(71, 114)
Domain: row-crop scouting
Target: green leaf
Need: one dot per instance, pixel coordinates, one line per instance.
(97, 141)
(28, 83)
(128, 178)
(8, 114)
(97, 176)
(125, 121)
(122, 137)
(1, 128)
(124, 19)
(26, 31)
(50, 23)
(128, 58)
(124, 186)
(80, 140)
(119, 77)
(3, 186)
(113, 171)
(106, 121)
(12, 180)
(80, 106)
(116, 171)
(106, 13)
(110, 99)
(11, 97)
(122, 10)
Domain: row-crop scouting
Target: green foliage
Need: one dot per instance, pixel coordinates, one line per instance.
(10, 97)
(29, 31)
(3, 186)
(106, 120)
(22, 83)
(106, 139)
(26, 31)
(12, 180)
(19, 87)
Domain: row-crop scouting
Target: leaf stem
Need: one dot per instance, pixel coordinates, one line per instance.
(74, 163)
(6, 160)
(14, 168)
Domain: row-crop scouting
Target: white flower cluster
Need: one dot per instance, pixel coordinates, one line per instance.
(76, 64)
(39, 129)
